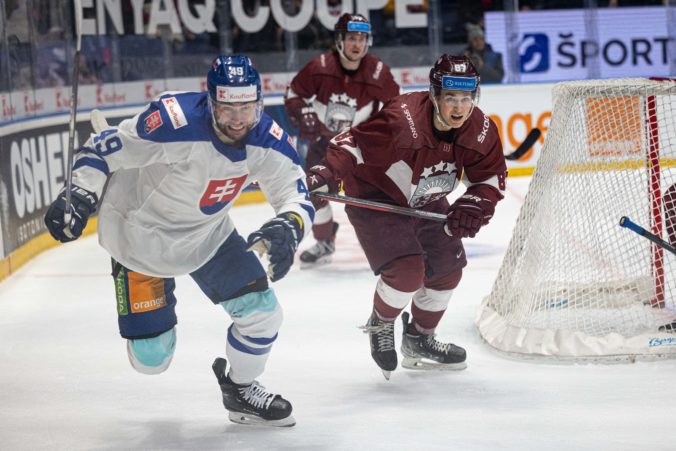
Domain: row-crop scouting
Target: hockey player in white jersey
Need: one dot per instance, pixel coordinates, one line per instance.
(173, 172)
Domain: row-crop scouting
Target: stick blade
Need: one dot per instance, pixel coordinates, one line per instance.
(525, 146)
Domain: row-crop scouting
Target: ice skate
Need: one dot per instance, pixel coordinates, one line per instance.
(670, 327)
(424, 352)
(252, 404)
(381, 336)
(321, 253)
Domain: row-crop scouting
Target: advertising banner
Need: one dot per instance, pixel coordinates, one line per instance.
(32, 173)
(556, 45)
(33, 152)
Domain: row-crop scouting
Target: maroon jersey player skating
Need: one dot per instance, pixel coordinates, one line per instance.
(332, 92)
(413, 153)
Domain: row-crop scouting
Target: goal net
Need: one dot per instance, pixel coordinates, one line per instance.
(573, 283)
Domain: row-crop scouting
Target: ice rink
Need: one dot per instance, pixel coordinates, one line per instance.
(66, 384)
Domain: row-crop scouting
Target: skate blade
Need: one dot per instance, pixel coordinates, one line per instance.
(387, 374)
(319, 262)
(420, 364)
(243, 418)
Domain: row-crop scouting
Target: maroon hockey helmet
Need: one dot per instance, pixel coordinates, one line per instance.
(455, 73)
(355, 23)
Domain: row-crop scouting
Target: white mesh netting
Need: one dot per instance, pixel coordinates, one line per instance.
(573, 283)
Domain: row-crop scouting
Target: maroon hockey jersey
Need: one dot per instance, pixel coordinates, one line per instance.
(340, 100)
(396, 158)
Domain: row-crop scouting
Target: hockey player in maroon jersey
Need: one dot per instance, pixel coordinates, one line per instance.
(413, 153)
(334, 91)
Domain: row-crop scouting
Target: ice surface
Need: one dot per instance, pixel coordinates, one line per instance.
(66, 384)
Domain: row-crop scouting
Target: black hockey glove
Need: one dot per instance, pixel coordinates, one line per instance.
(309, 127)
(83, 205)
(320, 178)
(279, 237)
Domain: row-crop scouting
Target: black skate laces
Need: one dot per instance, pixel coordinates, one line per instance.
(256, 395)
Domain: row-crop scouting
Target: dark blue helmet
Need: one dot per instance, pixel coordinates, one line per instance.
(233, 79)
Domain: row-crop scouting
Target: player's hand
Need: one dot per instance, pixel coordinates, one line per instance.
(309, 127)
(83, 205)
(279, 238)
(320, 179)
(467, 215)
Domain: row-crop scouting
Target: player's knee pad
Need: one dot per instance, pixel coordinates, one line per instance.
(399, 279)
(152, 355)
(257, 318)
(446, 282)
(405, 273)
(391, 298)
(432, 300)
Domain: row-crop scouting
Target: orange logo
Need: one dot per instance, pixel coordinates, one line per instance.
(146, 293)
(604, 136)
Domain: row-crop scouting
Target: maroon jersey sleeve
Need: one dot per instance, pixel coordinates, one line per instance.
(365, 144)
(303, 86)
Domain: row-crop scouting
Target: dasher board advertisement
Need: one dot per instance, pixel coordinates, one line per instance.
(557, 45)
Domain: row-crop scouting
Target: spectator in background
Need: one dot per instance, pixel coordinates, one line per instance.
(487, 61)
(86, 73)
(16, 14)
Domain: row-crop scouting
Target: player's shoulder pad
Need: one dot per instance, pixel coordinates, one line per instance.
(325, 64)
(374, 71)
(269, 135)
(176, 116)
(397, 123)
(479, 133)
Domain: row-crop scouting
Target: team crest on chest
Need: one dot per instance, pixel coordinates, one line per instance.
(340, 112)
(435, 182)
(220, 193)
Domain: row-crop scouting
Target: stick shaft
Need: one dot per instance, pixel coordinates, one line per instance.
(627, 223)
(77, 6)
(379, 206)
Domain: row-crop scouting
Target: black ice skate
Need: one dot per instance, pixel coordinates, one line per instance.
(321, 253)
(251, 404)
(424, 352)
(671, 328)
(381, 336)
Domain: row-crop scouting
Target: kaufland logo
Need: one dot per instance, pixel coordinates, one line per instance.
(534, 53)
(236, 93)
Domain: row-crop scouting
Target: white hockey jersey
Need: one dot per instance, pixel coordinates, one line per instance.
(172, 182)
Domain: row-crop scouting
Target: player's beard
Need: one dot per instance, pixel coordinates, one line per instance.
(233, 133)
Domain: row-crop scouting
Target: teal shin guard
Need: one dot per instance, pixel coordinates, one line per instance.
(152, 355)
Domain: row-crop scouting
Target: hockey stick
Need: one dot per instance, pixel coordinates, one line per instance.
(379, 206)
(67, 213)
(626, 222)
(525, 146)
